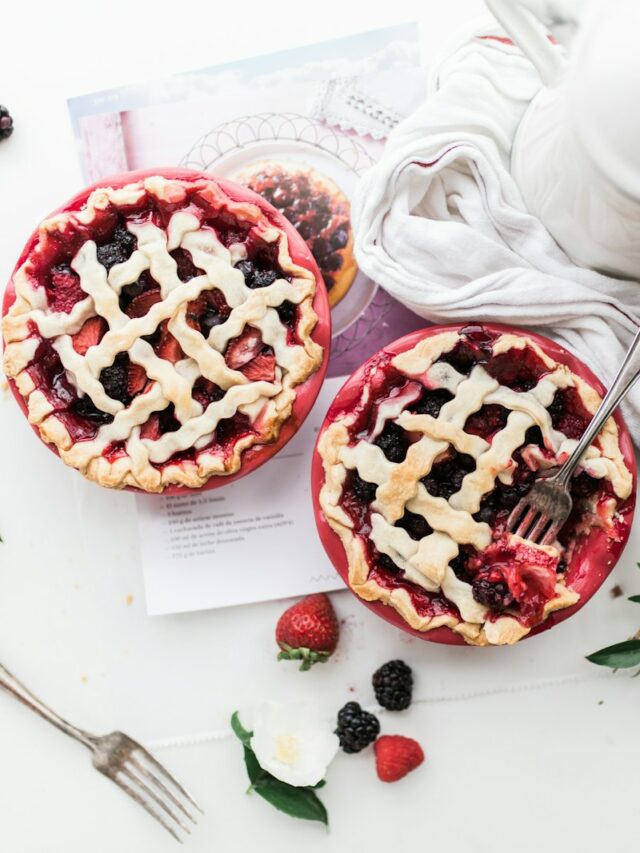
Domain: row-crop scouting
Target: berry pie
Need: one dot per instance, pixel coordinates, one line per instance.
(319, 211)
(159, 329)
(424, 464)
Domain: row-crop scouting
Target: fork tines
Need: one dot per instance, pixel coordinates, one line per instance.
(146, 781)
(540, 515)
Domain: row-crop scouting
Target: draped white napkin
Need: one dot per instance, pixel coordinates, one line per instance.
(440, 223)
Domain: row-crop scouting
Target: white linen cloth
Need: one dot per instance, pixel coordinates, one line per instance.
(440, 224)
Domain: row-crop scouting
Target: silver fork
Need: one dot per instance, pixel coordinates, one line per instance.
(539, 516)
(123, 761)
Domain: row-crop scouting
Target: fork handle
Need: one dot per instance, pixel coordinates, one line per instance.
(11, 684)
(622, 384)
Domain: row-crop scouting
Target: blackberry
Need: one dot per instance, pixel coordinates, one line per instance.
(583, 485)
(254, 277)
(287, 312)
(84, 408)
(393, 684)
(209, 319)
(6, 123)
(339, 238)
(356, 728)
(561, 567)
(385, 562)
(431, 402)
(393, 442)
(362, 489)
(493, 594)
(119, 249)
(416, 525)
(115, 378)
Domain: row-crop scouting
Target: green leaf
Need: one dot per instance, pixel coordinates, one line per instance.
(618, 656)
(634, 598)
(239, 730)
(296, 802)
(319, 784)
(254, 771)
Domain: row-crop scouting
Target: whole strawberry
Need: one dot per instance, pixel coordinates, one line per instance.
(308, 631)
(396, 756)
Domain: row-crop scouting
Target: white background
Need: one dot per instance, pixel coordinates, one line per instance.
(527, 747)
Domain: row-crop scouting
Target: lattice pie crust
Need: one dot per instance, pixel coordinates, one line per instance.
(147, 463)
(425, 563)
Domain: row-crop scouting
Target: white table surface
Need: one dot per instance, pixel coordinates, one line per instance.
(526, 746)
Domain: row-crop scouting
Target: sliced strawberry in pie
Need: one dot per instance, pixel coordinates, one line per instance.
(89, 335)
(136, 379)
(64, 291)
(141, 304)
(243, 349)
(168, 347)
(262, 367)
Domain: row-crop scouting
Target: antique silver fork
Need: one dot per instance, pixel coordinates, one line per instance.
(123, 761)
(539, 516)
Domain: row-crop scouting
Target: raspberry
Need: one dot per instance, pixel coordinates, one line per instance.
(356, 728)
(396, 756)
(393, 685)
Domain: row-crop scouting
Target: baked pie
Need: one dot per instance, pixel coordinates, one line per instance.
(319, 211)
(425, 461)
(159, 329)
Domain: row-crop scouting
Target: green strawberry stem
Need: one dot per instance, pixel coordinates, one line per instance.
(307, 656)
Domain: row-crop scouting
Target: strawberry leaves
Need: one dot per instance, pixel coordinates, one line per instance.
(307, 656)
(623, 655)
(300, 802)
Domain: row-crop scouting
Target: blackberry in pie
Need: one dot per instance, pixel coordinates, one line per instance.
(424, 465)
(158, 330)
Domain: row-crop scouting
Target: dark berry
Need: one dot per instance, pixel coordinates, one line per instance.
(255, 277)
(356, 728)
(493, 594)
(416, 525)
(556, 409)
(6, 123)
(459, 565)
(168, 420)
(186, 269)
(304, 229)
(339, 238)
(534, 436)
(84, 408)
(287, 313)
(431, 402)
(332, 262)
(583, 485)
(385, 562)
(486, 513)
(209, 319)
(114, 378)
(321, 247)
(461, 357)
(393, 685)
(393, 442)
(562, 566)
(362, 489)
(119, 249)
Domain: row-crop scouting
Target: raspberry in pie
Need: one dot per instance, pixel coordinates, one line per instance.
(425, 456)
(159, 329)
(317, 208)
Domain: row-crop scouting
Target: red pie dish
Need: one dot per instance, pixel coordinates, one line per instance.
(420, 460)
(165, 330)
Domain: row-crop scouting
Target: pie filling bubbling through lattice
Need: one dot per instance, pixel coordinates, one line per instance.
(422, 472)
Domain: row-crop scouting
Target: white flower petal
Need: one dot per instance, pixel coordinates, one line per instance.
(293, 742)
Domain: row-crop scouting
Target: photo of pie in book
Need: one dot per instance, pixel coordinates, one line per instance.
(317, 208)
(423, 455)
(165, 329)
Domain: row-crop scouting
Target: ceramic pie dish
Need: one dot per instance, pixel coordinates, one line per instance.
(423, 454)
(165, 330)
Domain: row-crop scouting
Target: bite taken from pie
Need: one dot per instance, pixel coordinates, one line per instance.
(161, 328)
(319, 211)
(422, 457)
